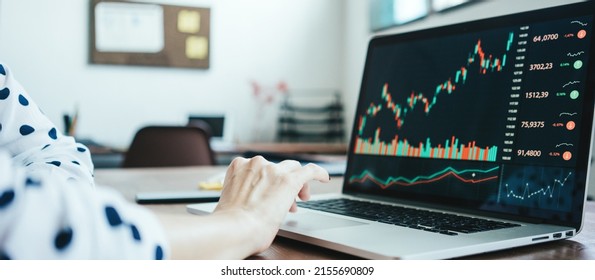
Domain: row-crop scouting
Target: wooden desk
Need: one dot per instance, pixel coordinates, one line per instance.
(131, 181)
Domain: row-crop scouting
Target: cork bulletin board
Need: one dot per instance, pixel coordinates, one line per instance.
(135, 33)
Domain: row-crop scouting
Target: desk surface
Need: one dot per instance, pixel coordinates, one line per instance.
(131, 181)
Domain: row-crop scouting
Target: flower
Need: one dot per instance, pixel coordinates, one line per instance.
(267, 95)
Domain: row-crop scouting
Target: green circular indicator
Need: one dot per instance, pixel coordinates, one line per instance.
(574, 94)
(578, 64)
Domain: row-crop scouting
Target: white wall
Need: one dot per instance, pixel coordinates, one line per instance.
(46, 45)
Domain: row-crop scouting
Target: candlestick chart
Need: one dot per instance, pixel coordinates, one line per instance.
(388, 136)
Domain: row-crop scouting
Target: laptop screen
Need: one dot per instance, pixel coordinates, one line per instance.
(492, 115)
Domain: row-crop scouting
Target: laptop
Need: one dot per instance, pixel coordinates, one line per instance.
(220, 126)
(467, 138)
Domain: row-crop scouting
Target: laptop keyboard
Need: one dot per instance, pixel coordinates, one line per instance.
(443, 223)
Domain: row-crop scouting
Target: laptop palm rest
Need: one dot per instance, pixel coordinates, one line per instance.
(312, 221)
(303, 221)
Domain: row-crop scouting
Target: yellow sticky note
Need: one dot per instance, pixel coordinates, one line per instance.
(211, 186)
(188, 21)
(197, 47)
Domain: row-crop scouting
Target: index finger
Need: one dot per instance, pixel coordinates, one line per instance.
(311, 172)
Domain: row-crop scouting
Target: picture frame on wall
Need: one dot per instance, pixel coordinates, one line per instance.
(135, 33)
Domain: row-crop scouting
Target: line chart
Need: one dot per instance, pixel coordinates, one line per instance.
(537, 187)
(575, 54)
(567, 114)
(579, 22)
(469, 176)
(571, 83)
(564, 144)
(526, 192)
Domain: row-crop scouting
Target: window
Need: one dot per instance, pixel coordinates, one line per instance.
(388, 13)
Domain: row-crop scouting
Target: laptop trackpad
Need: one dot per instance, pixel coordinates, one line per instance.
(312, 221)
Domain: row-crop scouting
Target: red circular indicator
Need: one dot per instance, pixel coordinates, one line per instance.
(570, 125)
(581, 34)
(567, 155)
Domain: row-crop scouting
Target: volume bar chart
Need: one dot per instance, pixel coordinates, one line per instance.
(451, 149)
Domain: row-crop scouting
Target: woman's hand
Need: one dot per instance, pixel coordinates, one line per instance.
(261, 193)
(256, 197)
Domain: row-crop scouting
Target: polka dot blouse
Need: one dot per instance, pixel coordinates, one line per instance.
(49, 206)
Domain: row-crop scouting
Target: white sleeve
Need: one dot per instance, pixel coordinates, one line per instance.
(49, 208)
(34, 141)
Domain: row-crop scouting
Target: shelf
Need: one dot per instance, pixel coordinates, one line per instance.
(311, 118)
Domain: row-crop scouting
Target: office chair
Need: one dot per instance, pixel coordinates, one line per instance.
(166, 146)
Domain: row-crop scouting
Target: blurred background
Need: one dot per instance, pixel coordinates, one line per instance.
(261, 53)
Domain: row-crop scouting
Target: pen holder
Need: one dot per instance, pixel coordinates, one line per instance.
(69, 124)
